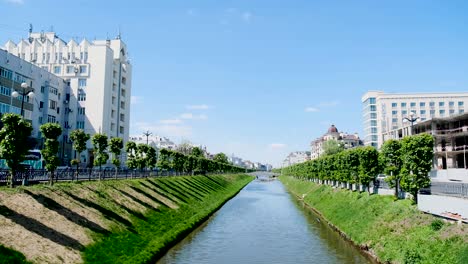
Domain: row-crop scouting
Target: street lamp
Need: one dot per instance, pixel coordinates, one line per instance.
(147, 134)
(411, 119)
(25, 91)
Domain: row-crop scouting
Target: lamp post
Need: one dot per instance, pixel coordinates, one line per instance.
(147, 134)
(411, 119)
(25, 91)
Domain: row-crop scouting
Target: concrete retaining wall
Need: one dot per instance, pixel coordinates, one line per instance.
(436, 204)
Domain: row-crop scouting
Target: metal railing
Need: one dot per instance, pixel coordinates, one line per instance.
(456, 189)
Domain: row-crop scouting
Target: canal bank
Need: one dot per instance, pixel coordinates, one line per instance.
(392, 231)
(263, 224)
(121, 221)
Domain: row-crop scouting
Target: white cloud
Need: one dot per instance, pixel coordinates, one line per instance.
(18, 2)
(198, 107)
(247, 16)
(135, 100)
(170, 121)
(193, 117)
(277, 145)
(311, 109)
(168, 130)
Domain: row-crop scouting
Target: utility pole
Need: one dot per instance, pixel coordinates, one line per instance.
(147, 134)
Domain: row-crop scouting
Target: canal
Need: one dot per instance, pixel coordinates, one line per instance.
(263, 224)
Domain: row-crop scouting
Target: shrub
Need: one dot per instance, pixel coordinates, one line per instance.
(437, 224)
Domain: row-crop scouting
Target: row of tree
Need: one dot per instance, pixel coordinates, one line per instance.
(13, 148)
(407, 162)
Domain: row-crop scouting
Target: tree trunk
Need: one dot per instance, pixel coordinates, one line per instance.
(51, 178)
(415, 197)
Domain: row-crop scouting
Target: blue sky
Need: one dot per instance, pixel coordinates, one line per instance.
(239, 76)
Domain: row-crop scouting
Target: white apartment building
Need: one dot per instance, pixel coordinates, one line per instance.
(98, 73)
(384, 112)
(347, 140)
(296, 157)
(154, 141)
(44, 105)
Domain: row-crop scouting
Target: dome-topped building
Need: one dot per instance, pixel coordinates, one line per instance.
(333, 129)
(347, 140)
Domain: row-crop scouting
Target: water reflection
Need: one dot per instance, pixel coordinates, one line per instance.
(263, 224)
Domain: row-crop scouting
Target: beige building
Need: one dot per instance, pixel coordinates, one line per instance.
(347, 140)
(384, 112)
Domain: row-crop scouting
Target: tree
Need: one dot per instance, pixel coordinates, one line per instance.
(332, 146)
(151, 158)
(51, 131)
(115, 147)
(79, 139)
(197, 152)
(164, 161)
(417, 153)
(141, 155)
(13, 135)
(131, 149)
(368, 165)
(391, 159)
(100, 150)
(221, 158)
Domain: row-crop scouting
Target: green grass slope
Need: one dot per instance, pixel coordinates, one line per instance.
(394, 231)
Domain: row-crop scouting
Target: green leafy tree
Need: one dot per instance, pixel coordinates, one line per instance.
(164, 161)
(197, 152)
(100, 150)
(178, 161)
(51, 131)
(141, 155)
(13, 136)
(417, 153)
(332, 146)
(151, 158)
(368, 165)
(79, 139)
(221, 158)
(131, 149)
(391, 159)
(115, 147)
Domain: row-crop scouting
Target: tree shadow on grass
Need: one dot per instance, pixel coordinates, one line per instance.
(106, 212)
(67, 213)
(196, 186)
(181, 199)
(220, 182)
(135, 199)
(175, 190)
(159, 193)
(37, 227)
(205, 184)
(189, 190)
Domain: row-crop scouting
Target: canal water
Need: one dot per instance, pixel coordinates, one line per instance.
(263, 224)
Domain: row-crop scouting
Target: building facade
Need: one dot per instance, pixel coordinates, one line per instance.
(44, 106)
(346, 140)
(296, 157)
(154, 141)
(384, 112)
(98, 74)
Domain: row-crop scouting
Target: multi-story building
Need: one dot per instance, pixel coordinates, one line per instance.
(450, 148)
(98, 74)
(384, 112)
(347, 140)
(46, 102)
(155, 141)
(296, 157)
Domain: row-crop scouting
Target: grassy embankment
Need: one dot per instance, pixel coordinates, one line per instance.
(393, 231)
(123, 221)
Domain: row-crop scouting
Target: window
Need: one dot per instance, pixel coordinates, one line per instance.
(112, 113)
(121, 130)
(124, 80)
(45, 68)
(422, 104)
(85, 56)
(373, 108)
(4, 108)
(122, 117)
(112, 126)
(394, 105)
(60, 55)
(374, 130)
(80, 125)
(81, 96)
(403, 104)
(413, 104)
(40, 120)
(70, 69)
(113, 100)
(460, 103)
(122, 93)
(83, 69)
(53, 90)
(404, 112)
(432, 112)
(423, 112)
(431, 104)
(441, 112)
(52, 104)
(461, 111)
(372, 115)
(451, 104)
(394, 112)
(6, 73)
(81, 56)
(5, 90)
(452, 111)
(373, 122)
(81, 83)
(394, 120)
(81, 110)
(42, 89)
(57, 69)
(441, 103)
(372, 100)
(122, 105)
(51, 119)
